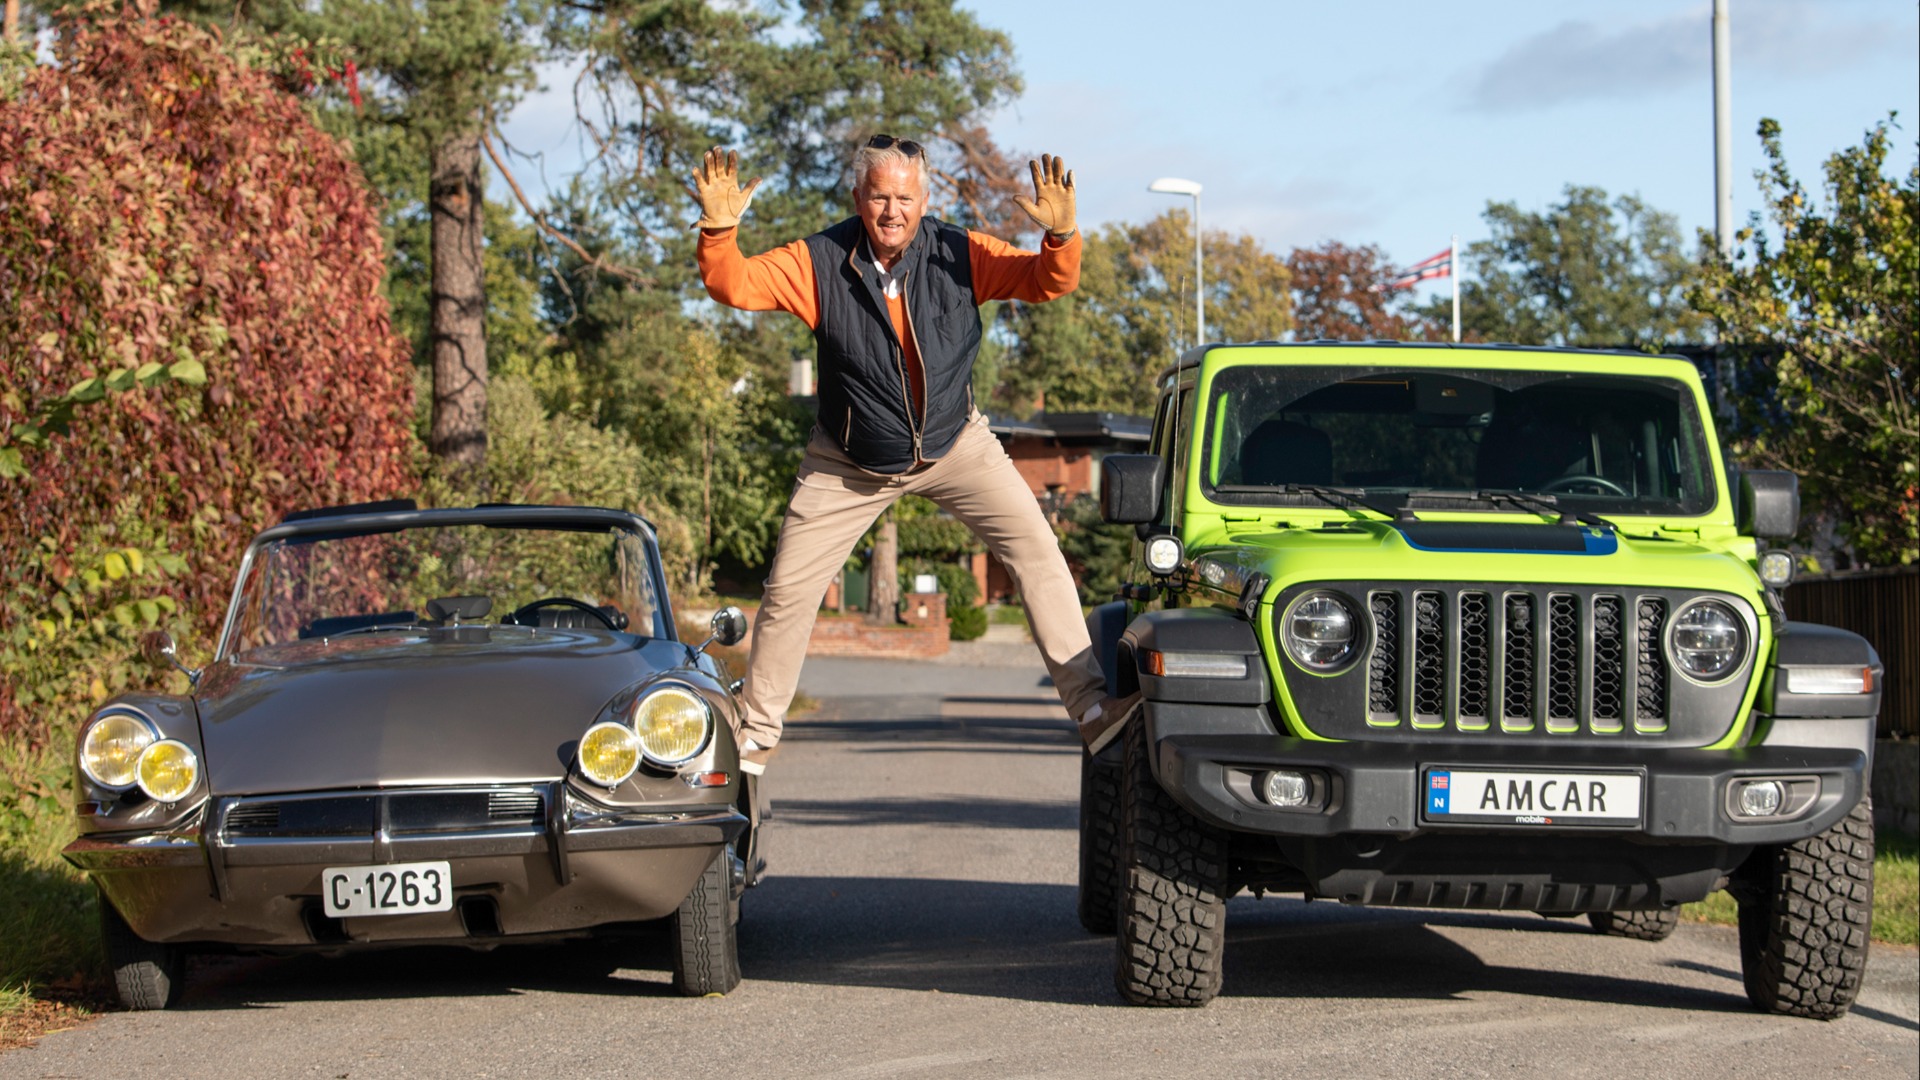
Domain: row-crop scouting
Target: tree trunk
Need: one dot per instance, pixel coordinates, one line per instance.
(458, 203)
(12, 23)
(883, 584)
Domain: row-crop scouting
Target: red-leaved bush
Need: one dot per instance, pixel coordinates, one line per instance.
(164, 199)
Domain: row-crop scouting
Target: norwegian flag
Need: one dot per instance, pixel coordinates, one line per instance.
(1433, 266)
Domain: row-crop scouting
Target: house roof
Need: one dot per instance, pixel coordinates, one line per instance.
(1075, 427)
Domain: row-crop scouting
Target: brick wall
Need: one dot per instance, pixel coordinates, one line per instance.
(857, 637)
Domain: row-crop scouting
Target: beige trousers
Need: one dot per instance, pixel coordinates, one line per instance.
(835, 502)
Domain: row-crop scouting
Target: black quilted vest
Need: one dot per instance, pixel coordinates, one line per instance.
(863, 381)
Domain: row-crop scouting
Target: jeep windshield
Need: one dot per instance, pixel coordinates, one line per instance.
(401, 584)
(1576, 443)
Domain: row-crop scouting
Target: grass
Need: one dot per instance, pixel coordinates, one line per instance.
(1896, 893)
(1006, 615)
(49, 928)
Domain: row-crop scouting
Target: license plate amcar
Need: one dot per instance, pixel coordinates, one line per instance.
(1467, 796)
(392, 889)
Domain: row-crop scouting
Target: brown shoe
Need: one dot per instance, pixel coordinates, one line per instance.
(1107, 719)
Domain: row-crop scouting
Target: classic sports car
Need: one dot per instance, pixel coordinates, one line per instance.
(370, 760)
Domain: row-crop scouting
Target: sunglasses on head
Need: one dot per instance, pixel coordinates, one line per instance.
(907, 146)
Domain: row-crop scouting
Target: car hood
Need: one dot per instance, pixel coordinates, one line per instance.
(1512, 550)
(476, 705)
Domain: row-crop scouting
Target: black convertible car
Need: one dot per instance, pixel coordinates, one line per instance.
(459, 726)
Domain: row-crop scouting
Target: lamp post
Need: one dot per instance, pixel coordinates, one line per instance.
(1170, 185)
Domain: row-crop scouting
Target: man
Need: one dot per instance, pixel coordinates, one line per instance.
(892, 298)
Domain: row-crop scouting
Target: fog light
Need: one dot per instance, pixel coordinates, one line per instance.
(1761, 798)
(1776, 568)
(1288, 789)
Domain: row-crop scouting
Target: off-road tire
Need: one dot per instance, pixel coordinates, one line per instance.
(148, 975)
(1171, 934)
(1639, 925)
(1100, 837)
(1805, 918)
(706, 949)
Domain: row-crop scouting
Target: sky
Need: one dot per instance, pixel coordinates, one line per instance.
(1395, 122)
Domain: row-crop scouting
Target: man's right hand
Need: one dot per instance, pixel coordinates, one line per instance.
(716, 186)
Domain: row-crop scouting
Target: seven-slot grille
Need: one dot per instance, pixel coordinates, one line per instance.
(1557, 661)
(407, 812)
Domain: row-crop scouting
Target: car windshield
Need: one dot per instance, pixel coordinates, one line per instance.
(1590, 443)
(330, 585)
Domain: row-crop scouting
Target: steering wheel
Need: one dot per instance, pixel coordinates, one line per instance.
(525, 611)
(1566, 484)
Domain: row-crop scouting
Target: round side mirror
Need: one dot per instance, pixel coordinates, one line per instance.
(729, 625)
(157, 648)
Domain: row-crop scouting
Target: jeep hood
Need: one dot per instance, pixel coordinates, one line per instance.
(477, 705)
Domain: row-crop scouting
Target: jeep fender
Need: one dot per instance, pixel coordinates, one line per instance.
(1819, 720)
(1192, 705)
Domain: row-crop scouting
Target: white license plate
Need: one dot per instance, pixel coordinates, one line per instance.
(1499, 796)
(392, 889)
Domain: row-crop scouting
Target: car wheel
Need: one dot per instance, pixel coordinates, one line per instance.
(1172, 914)
(1639, 925)
(1805, 917)
(706, 951)
(148, 976)
(1100, 837)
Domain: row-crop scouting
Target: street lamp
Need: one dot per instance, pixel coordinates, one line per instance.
(1172, 185)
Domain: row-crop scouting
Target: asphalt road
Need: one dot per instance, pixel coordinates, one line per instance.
(919, 922)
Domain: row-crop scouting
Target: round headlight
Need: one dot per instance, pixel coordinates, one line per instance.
(110, 749)
(609, 753)
(167, 770)
(672, 724)
(1708, 640)
(1320, 631)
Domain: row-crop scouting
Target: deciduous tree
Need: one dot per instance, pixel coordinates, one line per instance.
(1819, 309)
(1339, 294)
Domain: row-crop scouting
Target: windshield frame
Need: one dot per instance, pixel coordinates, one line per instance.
(1515, 372)
(556, 518)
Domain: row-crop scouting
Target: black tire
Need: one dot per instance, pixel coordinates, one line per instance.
(1100, 838)
(148, 976)
(706, 950)
(1639, 925)
(1805, 918)
(1171, 933)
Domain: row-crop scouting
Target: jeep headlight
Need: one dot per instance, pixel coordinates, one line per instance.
(1320, 631)
(111, 747)
(167, 770)
(1708, 640)
(608, 753)
(672, 724)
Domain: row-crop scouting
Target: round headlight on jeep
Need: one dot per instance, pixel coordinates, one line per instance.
(167, 770)
(110, 750)
(609, 753)
(1708, 640)
(1320, 631)
(672, 723)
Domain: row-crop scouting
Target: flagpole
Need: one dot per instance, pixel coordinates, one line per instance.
(1453, 266)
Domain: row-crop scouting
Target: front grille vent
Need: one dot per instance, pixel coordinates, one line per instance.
(1558, 661)
(404, 812)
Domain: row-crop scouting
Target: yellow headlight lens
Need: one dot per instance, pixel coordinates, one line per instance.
(167, 770)
(673, 724)
(609, 753)
(110, 749)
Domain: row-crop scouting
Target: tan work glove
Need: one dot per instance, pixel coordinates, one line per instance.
(716, 187)
(1051, 207)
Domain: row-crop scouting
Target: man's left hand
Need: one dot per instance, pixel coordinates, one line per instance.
(1051, 207)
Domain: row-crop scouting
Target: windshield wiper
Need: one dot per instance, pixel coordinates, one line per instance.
(1355, 496)
(1546, 504)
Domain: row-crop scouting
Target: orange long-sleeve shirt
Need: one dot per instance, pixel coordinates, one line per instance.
(782, 280)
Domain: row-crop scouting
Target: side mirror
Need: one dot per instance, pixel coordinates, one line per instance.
(1131, 486)
(729, 627)
(1769, 504)
(158, 649)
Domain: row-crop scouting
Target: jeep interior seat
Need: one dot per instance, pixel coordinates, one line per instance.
(1530, 444)
(1280, 452)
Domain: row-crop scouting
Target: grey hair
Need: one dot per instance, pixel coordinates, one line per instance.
(865, 158)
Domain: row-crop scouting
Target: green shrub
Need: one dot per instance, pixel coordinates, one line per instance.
(966, 623)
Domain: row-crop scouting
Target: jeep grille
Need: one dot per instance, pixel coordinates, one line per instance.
(1542, 662)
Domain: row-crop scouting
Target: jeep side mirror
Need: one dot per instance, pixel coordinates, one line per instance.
(1769, 504)
(1130, 488)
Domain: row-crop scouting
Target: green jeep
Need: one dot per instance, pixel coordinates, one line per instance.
(1469, 627)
